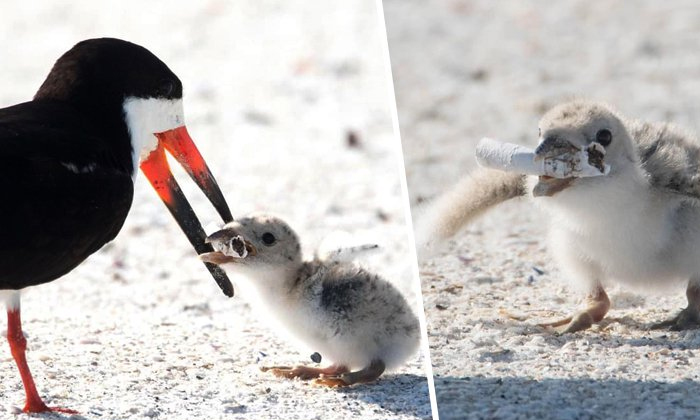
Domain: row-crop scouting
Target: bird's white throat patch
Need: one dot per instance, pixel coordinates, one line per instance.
(147, 116)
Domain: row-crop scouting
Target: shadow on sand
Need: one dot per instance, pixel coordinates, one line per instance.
(511, 397)
(522, 398)
(405, 394)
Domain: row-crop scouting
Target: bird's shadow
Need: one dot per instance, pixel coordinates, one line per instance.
(55, 416)
(405, 394)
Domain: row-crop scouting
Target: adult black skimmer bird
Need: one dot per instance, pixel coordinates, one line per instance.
(68, 161)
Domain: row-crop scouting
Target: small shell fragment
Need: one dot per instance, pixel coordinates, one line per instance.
(562, 161)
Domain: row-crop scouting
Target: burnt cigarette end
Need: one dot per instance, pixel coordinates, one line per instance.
(238, 245)
(596, 153)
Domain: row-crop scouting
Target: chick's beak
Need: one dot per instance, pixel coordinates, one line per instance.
(547, 186)
(216, 257)
(180, 145)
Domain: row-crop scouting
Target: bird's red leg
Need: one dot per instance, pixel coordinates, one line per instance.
(18, 345)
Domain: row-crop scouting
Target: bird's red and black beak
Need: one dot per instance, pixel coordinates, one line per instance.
(155, 166)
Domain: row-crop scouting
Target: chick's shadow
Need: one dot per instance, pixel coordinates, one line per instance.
(661, 338)
(404, 393)
(549, 398)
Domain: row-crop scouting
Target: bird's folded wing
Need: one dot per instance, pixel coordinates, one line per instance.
(62, 199)
(45, 131)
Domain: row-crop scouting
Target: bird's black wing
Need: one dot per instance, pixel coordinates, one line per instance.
(63, 193)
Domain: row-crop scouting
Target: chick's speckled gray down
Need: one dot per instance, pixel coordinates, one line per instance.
(355, 319)
(361, 307)
(639, 225)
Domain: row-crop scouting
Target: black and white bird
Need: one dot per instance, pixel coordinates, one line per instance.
(353, 318)
(638, 225)
(69, 161)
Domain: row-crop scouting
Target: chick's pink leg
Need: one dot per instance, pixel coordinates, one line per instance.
(597, 306)
(368, 374)
(688, 318)
(303, 372)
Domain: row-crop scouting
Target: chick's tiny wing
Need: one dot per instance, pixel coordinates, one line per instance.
(670, 156)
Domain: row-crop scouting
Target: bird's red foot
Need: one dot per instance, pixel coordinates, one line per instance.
(61, 410)
(18, 346)
(38, 406)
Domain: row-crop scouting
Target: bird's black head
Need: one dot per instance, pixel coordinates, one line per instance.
(123, 91)
(132, 103)
(104, 70)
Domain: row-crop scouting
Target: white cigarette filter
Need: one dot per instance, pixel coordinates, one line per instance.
(509, 157)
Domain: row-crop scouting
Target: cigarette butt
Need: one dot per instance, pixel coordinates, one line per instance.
(511, 157)
(508, 157)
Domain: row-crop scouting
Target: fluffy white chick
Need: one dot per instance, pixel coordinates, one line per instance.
(353, 318)
(639, 225)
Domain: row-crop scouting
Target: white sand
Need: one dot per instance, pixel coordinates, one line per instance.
(468, 69)
(271, 87)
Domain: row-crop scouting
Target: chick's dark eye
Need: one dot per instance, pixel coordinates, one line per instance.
(604, 137)
(268, 238)
(166, 88)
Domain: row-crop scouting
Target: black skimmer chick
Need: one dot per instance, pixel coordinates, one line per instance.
(69, 161)
(637, 225)
(355, 319)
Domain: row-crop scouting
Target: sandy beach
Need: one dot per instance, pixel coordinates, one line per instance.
(274, 91)
(468, 69)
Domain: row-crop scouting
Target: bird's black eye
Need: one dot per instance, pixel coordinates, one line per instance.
(268, 238)
(166, 88)
(604, 137)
